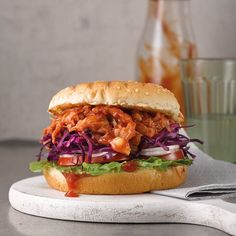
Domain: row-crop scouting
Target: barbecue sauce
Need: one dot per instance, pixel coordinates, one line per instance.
(164, 43)
(73, 182)
(130, 166)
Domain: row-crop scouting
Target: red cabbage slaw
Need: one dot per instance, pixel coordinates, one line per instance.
(167, 137)
(72, 143)
(82, 144)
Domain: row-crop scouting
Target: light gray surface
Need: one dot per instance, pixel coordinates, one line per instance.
(15, 157)
(47, 45)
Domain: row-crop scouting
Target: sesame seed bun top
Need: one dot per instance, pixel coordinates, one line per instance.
(127, 94)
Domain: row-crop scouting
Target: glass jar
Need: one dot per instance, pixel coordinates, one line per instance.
(167, 37)
(210, 97)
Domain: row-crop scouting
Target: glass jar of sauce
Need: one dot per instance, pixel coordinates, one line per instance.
(167, 37)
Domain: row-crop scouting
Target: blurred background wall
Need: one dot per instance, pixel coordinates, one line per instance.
(47, 45)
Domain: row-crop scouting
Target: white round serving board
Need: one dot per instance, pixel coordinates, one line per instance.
(33, 196)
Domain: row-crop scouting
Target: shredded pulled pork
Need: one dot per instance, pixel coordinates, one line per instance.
(109, 125)
(150, 125)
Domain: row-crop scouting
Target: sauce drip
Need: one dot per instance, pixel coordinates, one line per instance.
(72, 182)
(71, 194)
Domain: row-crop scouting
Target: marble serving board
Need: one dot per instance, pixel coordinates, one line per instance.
(33, 196)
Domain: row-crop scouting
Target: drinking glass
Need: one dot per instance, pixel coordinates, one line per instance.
(210, 101)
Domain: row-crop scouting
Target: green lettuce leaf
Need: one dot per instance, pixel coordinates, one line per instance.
(116, 167)
(38, 166)
(99, 169)
(155, 162)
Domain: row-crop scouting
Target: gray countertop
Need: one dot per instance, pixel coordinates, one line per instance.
(15, 156)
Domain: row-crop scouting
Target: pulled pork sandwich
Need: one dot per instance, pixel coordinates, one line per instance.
(114, 138)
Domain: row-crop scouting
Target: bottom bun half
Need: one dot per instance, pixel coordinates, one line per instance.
(120, 183)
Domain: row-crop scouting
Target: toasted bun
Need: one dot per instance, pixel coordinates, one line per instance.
(121, 183)
(129, 94)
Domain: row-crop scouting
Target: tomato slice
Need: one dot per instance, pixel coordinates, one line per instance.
(67, 160)
(72, 160)
(117, 157)
(173, 156)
